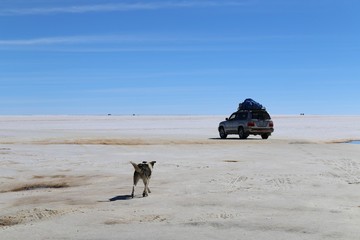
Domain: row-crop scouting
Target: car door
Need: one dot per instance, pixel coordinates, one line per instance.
(231, 123)
(241, 120)
(236, 120)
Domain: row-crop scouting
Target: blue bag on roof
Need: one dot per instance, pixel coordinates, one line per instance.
(250, 104)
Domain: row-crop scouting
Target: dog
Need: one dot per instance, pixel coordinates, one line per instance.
(143, 170)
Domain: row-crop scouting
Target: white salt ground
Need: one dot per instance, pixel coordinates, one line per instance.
(69, 177)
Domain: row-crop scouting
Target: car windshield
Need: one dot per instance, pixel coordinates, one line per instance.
(261, 115)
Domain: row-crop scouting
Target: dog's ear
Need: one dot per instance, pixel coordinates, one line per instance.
(152, 163)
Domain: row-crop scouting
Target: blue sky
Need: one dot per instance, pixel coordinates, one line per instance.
(179, 57)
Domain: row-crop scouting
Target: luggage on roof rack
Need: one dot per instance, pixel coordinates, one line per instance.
(250, 104)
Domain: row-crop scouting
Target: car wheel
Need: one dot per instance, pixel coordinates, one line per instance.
(222, 133)
(242, 134)
(265, 136)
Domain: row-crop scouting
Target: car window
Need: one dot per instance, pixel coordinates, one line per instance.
(232, 117)
(260, 115)
(242, 116)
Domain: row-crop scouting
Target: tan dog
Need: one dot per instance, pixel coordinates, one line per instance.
(143, 170)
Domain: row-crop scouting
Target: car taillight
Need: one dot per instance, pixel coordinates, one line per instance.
(271, 124)
(251, 124)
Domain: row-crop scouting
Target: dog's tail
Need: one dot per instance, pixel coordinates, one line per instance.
(137, 169)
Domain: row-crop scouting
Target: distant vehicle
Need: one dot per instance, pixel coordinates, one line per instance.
(246, 122)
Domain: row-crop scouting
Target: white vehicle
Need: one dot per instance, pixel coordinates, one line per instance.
(246, 122)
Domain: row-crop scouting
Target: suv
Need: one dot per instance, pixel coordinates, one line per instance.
(246, 122)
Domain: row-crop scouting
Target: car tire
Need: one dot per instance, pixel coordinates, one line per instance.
(242, 134)
(265, 136)
(222, 133)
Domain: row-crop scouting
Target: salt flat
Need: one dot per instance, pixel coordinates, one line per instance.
(69, 177)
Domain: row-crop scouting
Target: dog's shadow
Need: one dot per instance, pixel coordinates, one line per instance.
(120, 198)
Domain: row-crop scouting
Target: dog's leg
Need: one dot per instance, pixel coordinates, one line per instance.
(146, 183)
(136, 180)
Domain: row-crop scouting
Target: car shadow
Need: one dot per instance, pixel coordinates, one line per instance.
(235, 139)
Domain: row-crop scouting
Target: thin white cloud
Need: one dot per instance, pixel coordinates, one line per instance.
(65, 40)
(36, 41)
(113, 7)
(91, 39)
(130, 39)
(145, 43)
